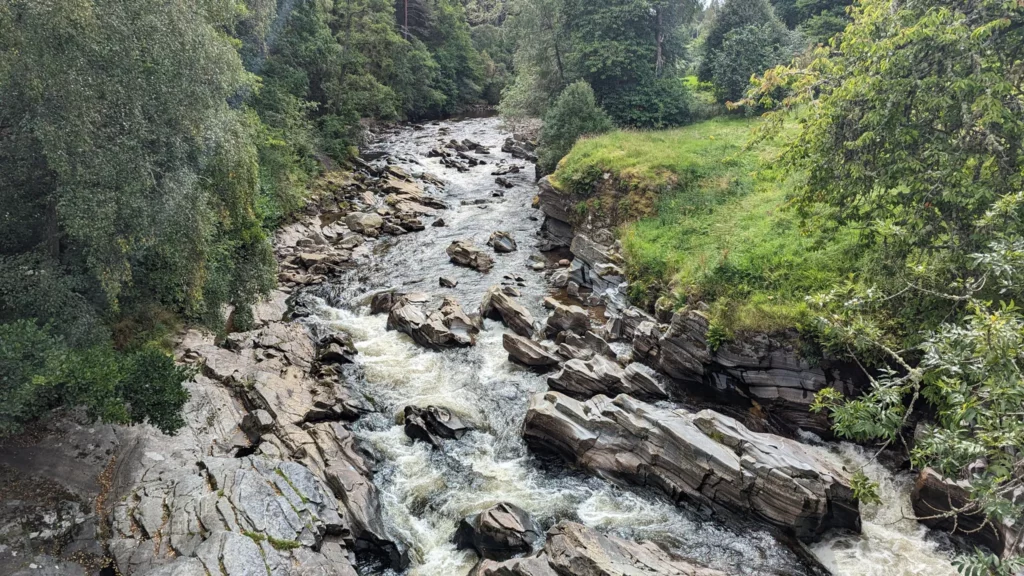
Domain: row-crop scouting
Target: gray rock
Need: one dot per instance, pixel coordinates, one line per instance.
(528, 352)
(934, 497)
(640, 381)
(497, 304)
(446, 282)
(499, 533)
(707, 457)
(464, 253)
(447, 327)
(364, 223)
(567, 318)
(502, 242)
(583, 379)
(433, 423)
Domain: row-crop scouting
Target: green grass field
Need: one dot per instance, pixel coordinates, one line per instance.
(720, 230)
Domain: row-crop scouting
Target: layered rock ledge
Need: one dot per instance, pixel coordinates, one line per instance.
(706, 457)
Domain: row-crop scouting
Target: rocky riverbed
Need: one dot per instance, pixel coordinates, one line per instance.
(449, 381)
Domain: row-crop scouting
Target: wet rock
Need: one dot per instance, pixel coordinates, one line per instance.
(583, 379)
(503, 182)
(464, 253)
(446, 327)
(532, 566)
(518, 150)
(640, 381)
(363, 223)
(574, 549)
(528, 352)
(502, 242)
(707, 457)
(432, 424)
(499, 305)
(382, 302)
(439, 223)
(446, 282)
(934, 497)
(567, 318)
(505, 169)
(765, 368)
(336, 348)
(559, 278)
(499, 533)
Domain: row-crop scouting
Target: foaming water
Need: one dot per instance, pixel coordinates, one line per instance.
(425, 492)
(892, 543)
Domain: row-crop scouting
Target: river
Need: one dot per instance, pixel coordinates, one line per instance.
(425, 492)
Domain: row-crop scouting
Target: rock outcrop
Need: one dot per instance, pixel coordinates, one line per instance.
(499, 533)
(464, 253)
(766, 369)
(582, 379)
(935, 498)
(446, 327)
(527, 352)
(497, 304)
(575, 550)
(264, 478)
(432, 424)
(706, 456)
(567, 318)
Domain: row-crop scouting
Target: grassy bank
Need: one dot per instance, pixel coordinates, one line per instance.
(710, 222)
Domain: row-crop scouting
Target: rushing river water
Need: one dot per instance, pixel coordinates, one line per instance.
(425, 492)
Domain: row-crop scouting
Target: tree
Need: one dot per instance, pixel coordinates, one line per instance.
(736, 15)
(536, 28)
(913, 135)
(744, 52)
(574, 114)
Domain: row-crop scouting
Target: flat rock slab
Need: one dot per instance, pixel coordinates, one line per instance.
(707, 457)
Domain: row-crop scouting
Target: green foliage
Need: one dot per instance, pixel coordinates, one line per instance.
(744, 38)
(744, 52)
(817, 20)
(911, 132)
(864, 489)
(982, 563)
(707, 223)
(626, 50)
(574, 114)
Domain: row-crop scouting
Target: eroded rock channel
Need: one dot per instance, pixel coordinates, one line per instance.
(449, 381)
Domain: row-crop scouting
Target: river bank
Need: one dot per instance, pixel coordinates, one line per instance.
(330, 455)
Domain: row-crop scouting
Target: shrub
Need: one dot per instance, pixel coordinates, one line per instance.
(744, 52)
(662, 103)
(575, 113)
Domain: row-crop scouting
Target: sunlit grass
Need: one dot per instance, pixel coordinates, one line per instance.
(722, 230)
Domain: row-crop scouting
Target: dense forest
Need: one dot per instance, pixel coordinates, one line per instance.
(866, 187)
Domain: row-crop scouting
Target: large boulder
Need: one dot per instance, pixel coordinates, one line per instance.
(464, 253)
(499, 533)
(583, 379)
(432, 424)
(935, 498)
(447, 327)
(706, 457)
(499, 305)
(575, 550)
(567, 318)
(527, 352)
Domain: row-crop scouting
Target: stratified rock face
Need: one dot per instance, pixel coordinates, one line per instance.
(528, 352)
(704, 456)
(575, 550)
(583, 379)
(557, 209)
(446, 327)
(499, 305)
(934, 496)
(464, 253)
(257, 482)
(568, 319)
(499, 533)
(768, 370)
(433, 423)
